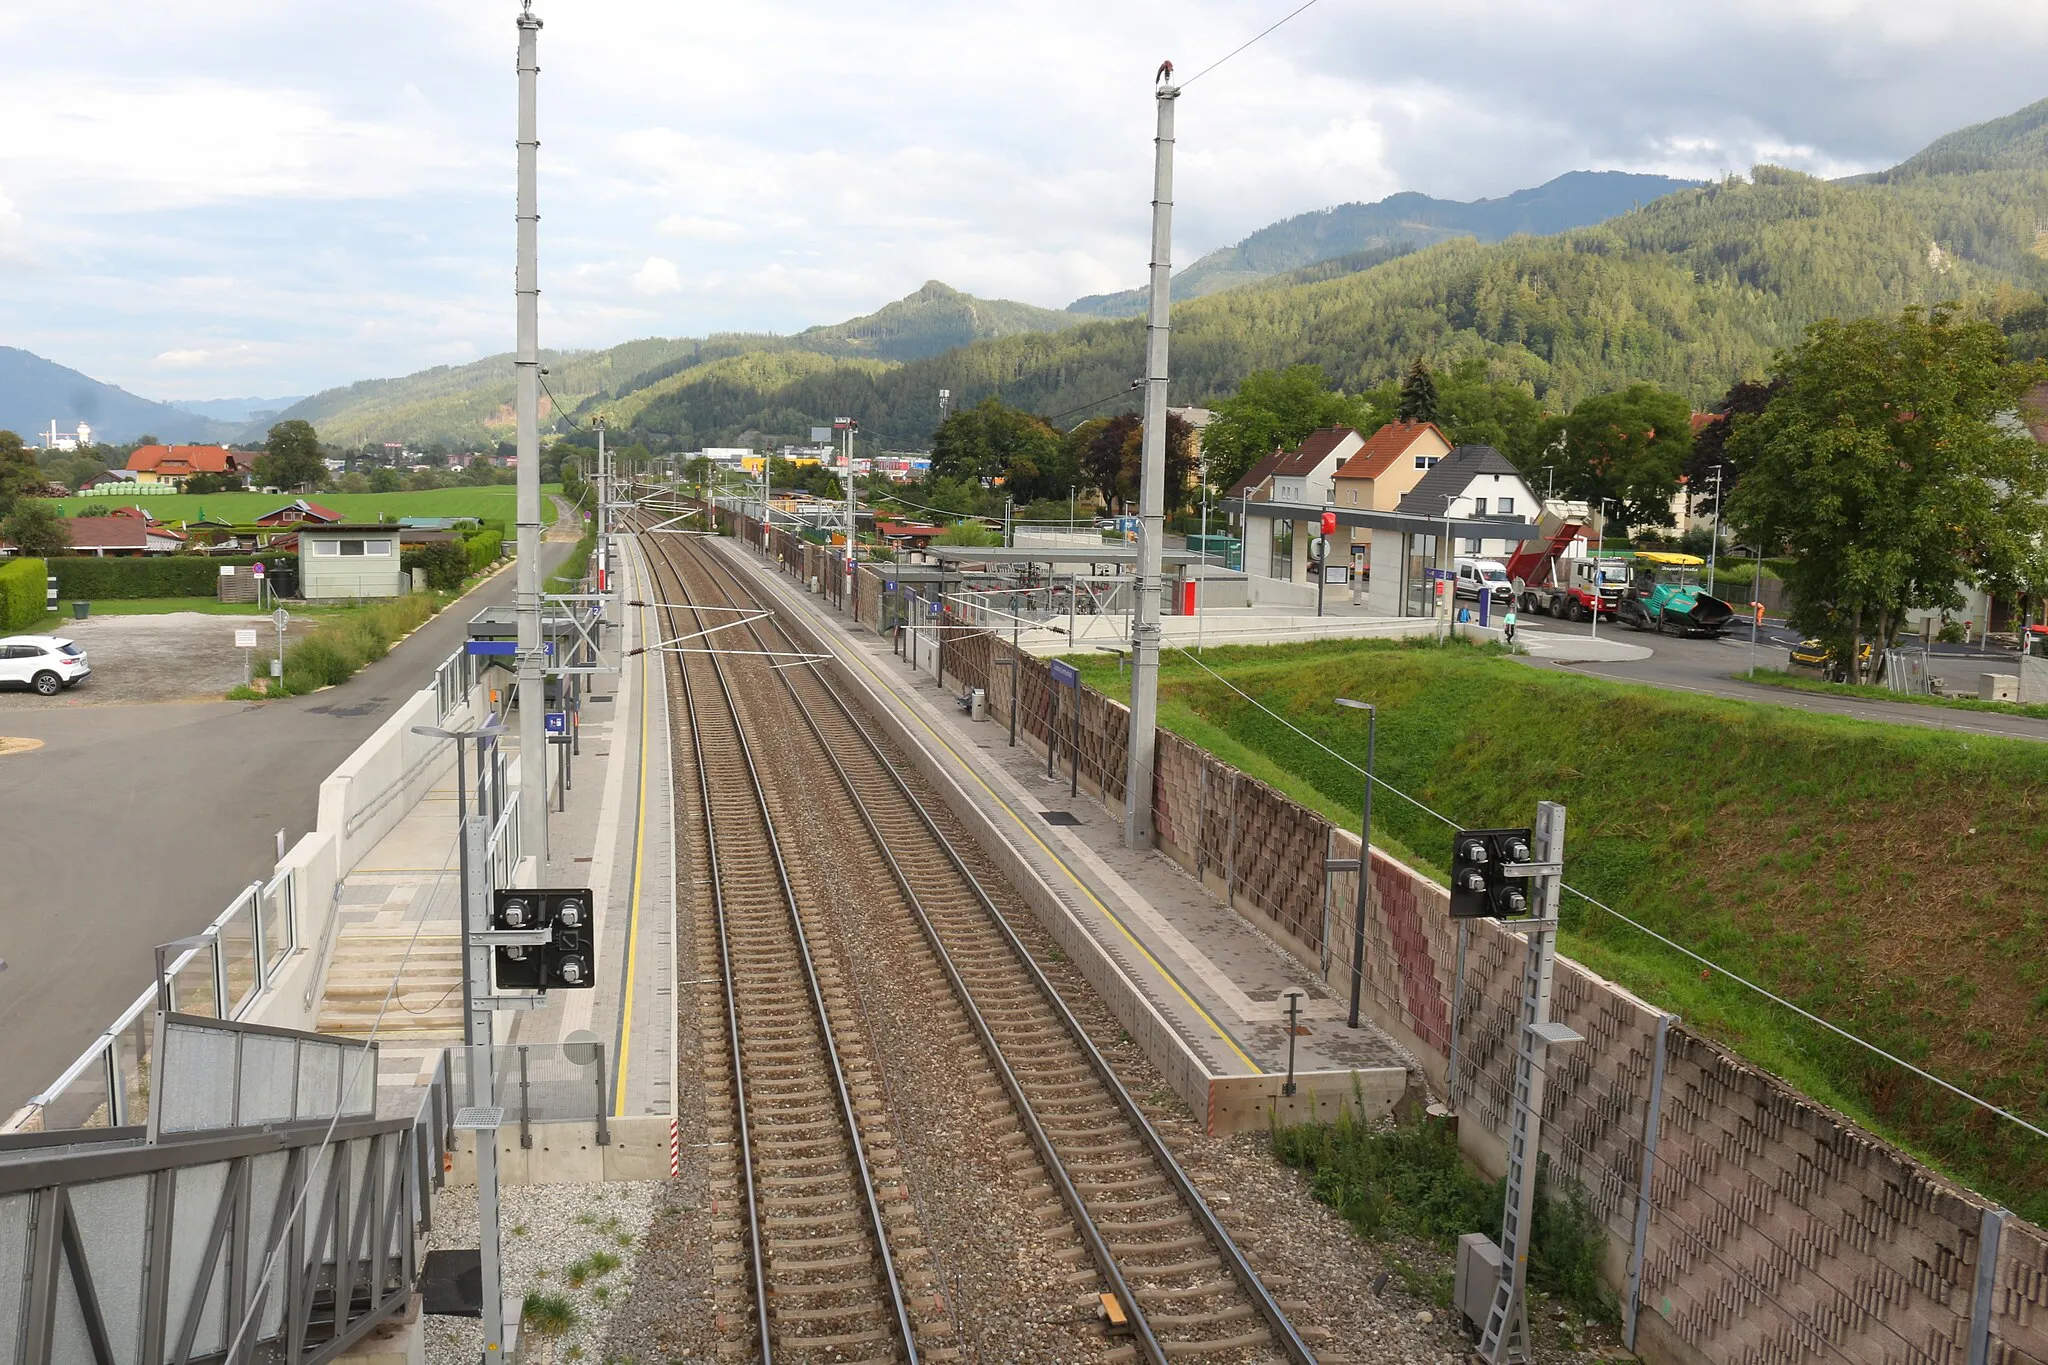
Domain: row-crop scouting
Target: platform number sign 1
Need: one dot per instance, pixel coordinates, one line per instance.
(567, 961)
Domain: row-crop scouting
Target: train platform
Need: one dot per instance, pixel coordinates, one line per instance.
(612, 830)
(1217, 981)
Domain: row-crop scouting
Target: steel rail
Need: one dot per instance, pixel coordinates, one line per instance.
(1233, 1256)
(732, 1018)
(891, 1279)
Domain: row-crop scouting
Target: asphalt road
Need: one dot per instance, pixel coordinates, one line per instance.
(135, 824)
(1714, 667)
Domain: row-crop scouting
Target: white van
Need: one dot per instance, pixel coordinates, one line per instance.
(1487, 575)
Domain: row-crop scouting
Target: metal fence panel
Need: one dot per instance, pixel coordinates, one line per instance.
(14, 1221)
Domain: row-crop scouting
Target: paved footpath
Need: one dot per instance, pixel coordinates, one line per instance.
(400, 935)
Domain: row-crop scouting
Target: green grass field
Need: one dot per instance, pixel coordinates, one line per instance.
(1888, 878)
(499, 502)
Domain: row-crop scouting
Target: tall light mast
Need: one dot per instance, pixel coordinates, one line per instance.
(533, 741)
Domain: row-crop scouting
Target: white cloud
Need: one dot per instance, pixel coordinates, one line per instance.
(192, 178)
(658, 277)
(704, 229)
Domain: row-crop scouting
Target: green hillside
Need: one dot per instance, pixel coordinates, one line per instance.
(1692, 291)
(471, 405)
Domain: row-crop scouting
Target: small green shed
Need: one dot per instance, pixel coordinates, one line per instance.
(349, 561)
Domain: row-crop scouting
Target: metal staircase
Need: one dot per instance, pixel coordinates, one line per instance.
(264, 1210)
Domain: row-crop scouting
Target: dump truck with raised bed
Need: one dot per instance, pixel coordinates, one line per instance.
(1548, 583)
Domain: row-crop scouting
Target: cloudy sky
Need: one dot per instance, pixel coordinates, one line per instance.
(208, 198)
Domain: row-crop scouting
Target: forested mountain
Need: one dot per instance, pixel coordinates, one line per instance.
(1576, 199)
(35, 392)
(470, 405)
(1691, 291)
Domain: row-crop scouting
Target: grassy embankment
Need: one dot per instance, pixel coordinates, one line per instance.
(1889, 879)
(498, 502)
(1799, 682)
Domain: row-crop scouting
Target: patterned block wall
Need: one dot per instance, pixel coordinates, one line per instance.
(1779, 1232)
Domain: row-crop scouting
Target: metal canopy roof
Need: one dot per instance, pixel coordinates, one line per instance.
(1469, 528)
(1053, 554)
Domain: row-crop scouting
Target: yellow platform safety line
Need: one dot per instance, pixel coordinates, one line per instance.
(633, 920)
(1084, 888)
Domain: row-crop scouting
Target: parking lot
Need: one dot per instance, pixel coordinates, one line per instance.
(178, 656)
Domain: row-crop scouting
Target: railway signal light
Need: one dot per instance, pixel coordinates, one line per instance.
(567, 961)
(1483, 886)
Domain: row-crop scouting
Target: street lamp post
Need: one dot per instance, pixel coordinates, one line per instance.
(1715, 544)
(1372, 722)
(1600, 570)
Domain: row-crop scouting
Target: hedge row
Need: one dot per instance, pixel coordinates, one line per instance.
(485, 548)
(22, 593)
(92, 578)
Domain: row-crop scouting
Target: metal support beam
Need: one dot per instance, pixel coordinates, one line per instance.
(1653, 1123)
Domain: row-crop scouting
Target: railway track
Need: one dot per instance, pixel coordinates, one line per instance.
(821, 1279)
(1174, 1279)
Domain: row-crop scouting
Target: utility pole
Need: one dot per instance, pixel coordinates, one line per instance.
(604, 498)
(1151, 491)
(533, 740)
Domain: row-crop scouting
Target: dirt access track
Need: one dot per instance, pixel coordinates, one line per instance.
(178, 656)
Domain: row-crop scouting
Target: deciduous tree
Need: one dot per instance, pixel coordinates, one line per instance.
(35, 529)
(994, 441)
(1628, 448)
(291, 456)
(1114, 458)
(1273, 409)
(1887, 466)
(19, 474)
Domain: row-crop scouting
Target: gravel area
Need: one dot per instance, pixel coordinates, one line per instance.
(549, 1232)
(178, 656)
(1007, 1272)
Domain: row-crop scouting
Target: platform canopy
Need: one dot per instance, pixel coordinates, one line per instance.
(1053, 554)
(1468, 528)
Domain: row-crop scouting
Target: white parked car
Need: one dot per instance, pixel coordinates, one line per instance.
(48, 663)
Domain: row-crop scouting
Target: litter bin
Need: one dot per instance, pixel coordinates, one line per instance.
(80, 610)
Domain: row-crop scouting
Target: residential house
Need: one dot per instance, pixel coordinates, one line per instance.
(1470, 483)
(1383, 470)
(121, 534)
(298, 512)
(175, 464)
(1304, 473)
